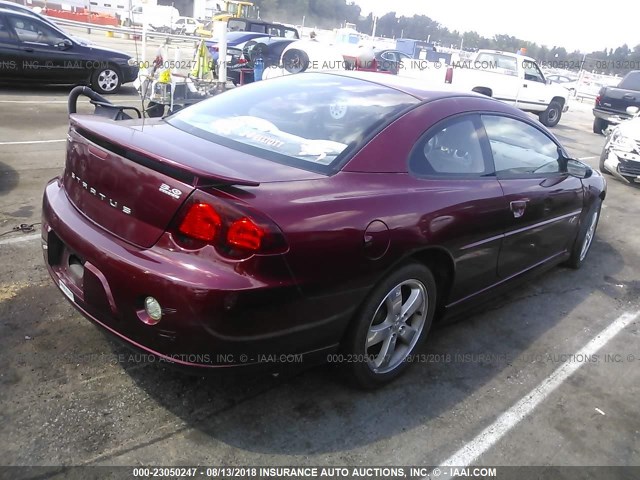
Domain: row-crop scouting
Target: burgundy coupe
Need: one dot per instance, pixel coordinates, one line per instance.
(316, 216)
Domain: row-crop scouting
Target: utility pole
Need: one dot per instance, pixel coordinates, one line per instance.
(375, 24)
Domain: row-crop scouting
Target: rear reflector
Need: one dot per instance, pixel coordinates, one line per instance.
(201, 222)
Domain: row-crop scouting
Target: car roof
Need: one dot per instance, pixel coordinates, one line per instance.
(23, 12)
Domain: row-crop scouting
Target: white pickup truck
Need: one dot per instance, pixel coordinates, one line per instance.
(514, 79)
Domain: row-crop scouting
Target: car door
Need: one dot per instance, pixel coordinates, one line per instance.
(462, 198)
(10, 52)
(534, 92)
(543, 201)
(44, 51)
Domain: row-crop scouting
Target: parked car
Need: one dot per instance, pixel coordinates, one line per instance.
(269, 49)
(32, 50)
(391, 60)
(612, 102)
(185, 26)
(570, 83)
(234, 39)
(514, 79)
(307, 55)
(621, 152)
(255, 26)
(327, 215)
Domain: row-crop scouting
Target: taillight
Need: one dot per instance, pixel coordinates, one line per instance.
(448, 77)
(598, 100)
(235, 230)
(245, 234)
(201, 222)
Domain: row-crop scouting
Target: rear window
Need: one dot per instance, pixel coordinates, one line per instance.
(631, 81)
(308, 120)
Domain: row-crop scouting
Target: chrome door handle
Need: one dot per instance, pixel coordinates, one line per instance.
(518, 207)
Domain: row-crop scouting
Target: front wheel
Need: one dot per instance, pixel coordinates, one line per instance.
(389, 326)
(603, 157)
(551, 116)
(586, 235)
(106, 80)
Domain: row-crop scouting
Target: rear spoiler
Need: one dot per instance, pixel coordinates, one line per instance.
(195, 177)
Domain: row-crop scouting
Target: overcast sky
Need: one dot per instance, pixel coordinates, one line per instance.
(573, 24)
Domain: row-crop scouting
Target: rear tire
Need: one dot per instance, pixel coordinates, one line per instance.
(391, 324)
(551, 116)
(599, 125)
(585, 237)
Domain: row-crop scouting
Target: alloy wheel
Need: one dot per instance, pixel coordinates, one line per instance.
(396, 326)
(108, 80)
(588, 238)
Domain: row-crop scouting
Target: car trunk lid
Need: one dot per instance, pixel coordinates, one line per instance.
(131, 179)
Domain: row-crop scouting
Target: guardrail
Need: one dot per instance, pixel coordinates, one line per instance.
(134, 31)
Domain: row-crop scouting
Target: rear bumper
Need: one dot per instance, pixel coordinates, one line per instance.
(214, 314)
(611, 117)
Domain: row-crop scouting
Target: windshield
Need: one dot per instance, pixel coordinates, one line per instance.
(306, 120)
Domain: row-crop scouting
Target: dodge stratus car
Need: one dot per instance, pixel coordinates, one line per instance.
(325, 215)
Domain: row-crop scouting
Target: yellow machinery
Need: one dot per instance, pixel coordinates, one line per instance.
(232, 9)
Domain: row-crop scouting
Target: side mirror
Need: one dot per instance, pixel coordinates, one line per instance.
(577, 169)
(633, 111)
(65, 44)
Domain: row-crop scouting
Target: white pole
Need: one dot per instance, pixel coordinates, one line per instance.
(375, 24)
(144, 38)
(220, 32)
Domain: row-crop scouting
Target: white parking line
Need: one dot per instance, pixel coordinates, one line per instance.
(505, 422)
(26, 142)
(587, 158)
(25, 238)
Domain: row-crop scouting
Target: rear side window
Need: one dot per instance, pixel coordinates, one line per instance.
(451, 149)
(288, 33)
(493, 61)
(631, 81)
(520, 149)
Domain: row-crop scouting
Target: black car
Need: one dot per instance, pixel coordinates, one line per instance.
(33, 50)
(269, 49)
(612, 102)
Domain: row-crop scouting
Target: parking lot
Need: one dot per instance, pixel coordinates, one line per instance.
(69, 395)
